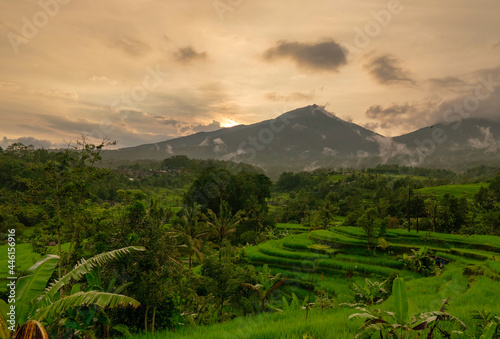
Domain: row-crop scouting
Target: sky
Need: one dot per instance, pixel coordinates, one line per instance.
(143, 71)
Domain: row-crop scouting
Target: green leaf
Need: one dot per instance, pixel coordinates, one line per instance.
(84, 267)
(123, 329)
(400, 300)
(4, 326)
(75, 288)
(79, 299)
(489, 331)
(30, 287)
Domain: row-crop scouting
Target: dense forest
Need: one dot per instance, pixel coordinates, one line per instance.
(172, 246)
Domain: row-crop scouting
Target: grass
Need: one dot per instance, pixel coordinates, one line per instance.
(320, 324)
(283, 226)
(385, 261)
(300, 241)
(354, 267)
(456, 190)
(274, 248)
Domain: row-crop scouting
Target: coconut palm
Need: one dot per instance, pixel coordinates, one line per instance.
(224, 224)
(432, 209)
(191, 231)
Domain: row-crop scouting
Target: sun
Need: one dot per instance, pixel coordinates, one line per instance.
(226, 122)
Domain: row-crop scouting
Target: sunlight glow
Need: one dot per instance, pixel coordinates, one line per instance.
(226, 122)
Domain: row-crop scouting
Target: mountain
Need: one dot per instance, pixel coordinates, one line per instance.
(462, 143)
(310, 137)
(300, 139)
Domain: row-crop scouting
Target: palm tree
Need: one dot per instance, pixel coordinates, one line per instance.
(432, 209)
(191, 231)
(224, 224)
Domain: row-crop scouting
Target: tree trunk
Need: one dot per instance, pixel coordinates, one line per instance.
(146, 319)
(190, 255)
(69, 251)
(153, 323)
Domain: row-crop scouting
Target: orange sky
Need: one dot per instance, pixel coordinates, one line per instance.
(149, 70)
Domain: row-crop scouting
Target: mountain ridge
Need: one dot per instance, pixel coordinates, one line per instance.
(310, 137)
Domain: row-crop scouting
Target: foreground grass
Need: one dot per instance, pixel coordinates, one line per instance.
(321, 324)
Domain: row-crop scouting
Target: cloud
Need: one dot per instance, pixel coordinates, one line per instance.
(295, 96)
(488, 141)
(37, 143)
(388, 148)
(385, 70)
(131, 46)
(322, 56)
(391, 112)
(329, 152)
(447, 82)
(474, 94)
(189, 54)
(405, 116)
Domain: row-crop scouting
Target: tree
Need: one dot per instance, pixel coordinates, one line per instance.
(63, 191)
(432, 210)
(223, 224)
(215, 185)
(367, 223)
(189, 229)
(484, 198)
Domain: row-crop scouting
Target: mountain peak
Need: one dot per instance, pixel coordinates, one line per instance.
(310, 111)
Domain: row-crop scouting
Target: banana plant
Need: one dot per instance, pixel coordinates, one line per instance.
(294, 304)
(398, 324)
(488, 324)
(266, 286)
(35, 302)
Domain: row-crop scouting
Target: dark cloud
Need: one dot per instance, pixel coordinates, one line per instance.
(476, 97)
(189, 54)
(273, 96)
(450, 84)
(406, 116)
(322, 56)
(187, 128)
(213, 126)
(131, 45)
(446, 82)
(136, 118)
(37, 143)
(385, 70)
(391, 112)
